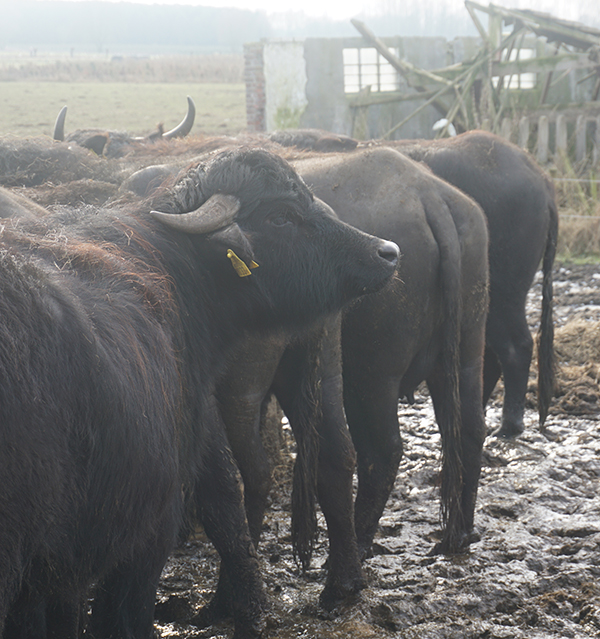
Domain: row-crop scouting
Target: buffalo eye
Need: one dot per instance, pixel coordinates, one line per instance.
(280, 220)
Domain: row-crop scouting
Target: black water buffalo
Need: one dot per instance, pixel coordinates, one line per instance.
(114, 144)
(114, 327)
(517, 198)
(427, 324)
(18, 206)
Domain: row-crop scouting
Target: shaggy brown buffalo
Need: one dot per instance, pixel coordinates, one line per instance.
(115, 325)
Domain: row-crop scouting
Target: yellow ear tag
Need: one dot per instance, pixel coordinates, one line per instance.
(239, 265)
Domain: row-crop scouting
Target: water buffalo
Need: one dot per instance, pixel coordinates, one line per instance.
(114, 144)
(427, 324)
(518, 200)
(15, 205)
(115, 325)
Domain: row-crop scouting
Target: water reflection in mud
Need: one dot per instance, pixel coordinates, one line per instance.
(534, 573)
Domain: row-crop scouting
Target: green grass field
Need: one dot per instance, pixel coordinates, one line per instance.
(29, 108)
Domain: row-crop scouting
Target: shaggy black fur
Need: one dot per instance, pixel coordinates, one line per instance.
(113, 331)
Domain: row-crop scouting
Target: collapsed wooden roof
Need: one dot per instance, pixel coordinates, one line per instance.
(517, 45)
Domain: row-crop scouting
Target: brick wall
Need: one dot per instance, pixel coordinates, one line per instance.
(255, 87)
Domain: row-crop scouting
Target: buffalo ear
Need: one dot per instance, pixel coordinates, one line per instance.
(96, 143)
(232, 238)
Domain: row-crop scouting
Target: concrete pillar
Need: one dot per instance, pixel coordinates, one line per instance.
(254, 78)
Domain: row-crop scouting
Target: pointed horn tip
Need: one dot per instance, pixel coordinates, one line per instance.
(217, 212)
(185, 126)
(59, 125)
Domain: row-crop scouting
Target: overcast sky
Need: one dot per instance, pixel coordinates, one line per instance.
(587, 11)
(344, 9)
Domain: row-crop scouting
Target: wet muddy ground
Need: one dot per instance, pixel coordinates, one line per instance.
(535, 573)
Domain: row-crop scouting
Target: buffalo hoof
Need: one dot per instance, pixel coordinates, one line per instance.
(509, 430)
(248, 629)
(210, 615)
(462, 546)
(338, 593)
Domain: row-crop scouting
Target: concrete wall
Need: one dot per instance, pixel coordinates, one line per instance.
(285, 92)
(254, 77)
(303, 86)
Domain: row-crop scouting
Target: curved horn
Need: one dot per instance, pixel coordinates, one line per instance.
(185, 126)
(59, 125)
(218, 211)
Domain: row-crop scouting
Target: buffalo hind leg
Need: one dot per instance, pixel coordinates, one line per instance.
(219, 498)
(47, 618)
(472, 435)
(372, 413)
(512, 343)
(123, 603)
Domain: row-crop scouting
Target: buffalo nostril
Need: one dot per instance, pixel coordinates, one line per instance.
(389, 251)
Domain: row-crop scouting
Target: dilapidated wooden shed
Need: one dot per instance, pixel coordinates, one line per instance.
(531, 77)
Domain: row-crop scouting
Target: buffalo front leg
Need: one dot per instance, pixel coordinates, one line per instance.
(220, 503)
(243, 396)
(336, 457)
(337, 460)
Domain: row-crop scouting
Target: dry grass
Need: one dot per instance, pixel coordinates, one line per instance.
(579, 236)
(577, 348)
(214, 68)
(579, 210)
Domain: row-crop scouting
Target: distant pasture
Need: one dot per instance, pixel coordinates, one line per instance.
(132, 94)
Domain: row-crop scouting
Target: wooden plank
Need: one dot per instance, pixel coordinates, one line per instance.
(403, 67)
(506, 129)
(596, 152)
(545, 64)
(387, 98)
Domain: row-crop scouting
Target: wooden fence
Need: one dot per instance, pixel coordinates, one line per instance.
(551, 137)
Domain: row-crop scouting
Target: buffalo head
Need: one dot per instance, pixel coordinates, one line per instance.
(115, 143)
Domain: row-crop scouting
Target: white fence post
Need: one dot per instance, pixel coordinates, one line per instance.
(506, 128)
(580, 135)
(542, 140)
(524, 132)
(561, 135)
